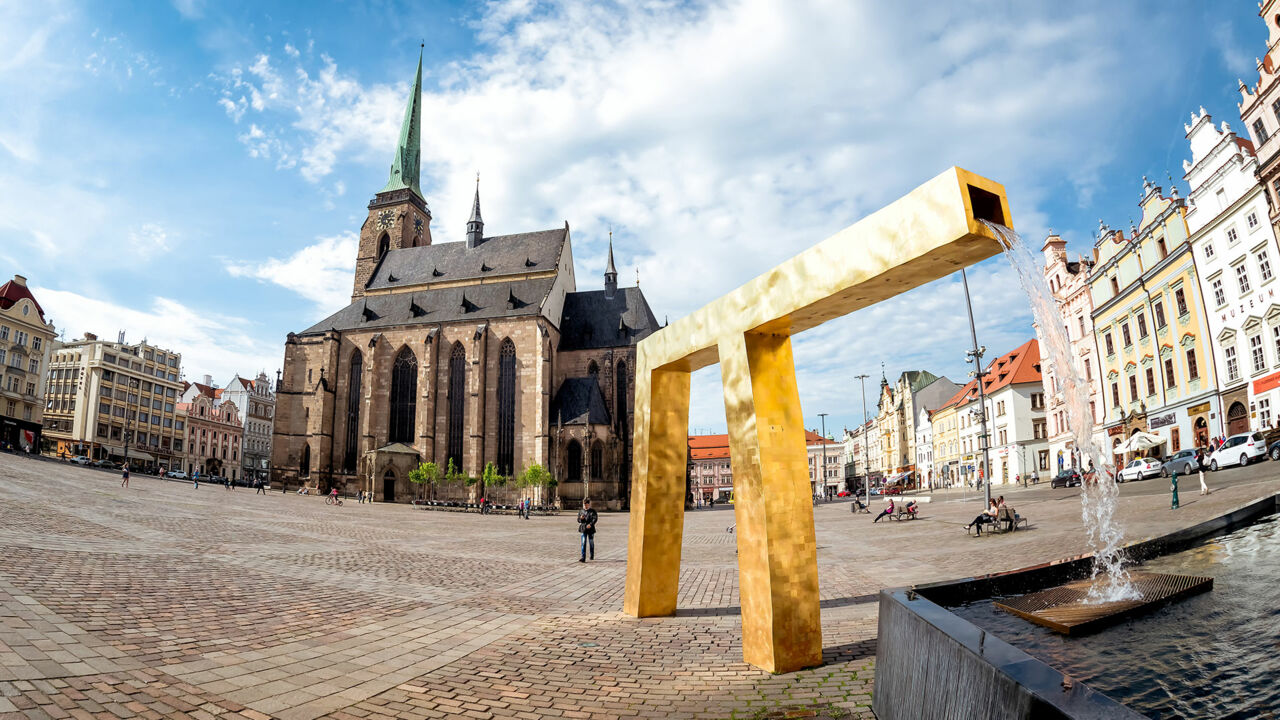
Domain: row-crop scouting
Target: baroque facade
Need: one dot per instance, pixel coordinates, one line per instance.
(462, 354)
(256, 403)
(214, 432)
(26, 339)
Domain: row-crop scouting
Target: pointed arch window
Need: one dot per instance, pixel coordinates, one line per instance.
(354, 376)
(404, 389)
(620, 400)
(304, 466)
(597, 460)
(506, 407)
(457, 396)
(384, 244)
(573, 459)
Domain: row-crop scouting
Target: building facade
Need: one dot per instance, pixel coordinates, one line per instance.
(899, 418)
(858, 456)
(1016, 421)
(826, 472)
(26, 340)
(463, 354)
(105, 399)
(1258, 110)
(711, 471)
(1152, 334)
(944, 433)
(1069, 282)
(256, 403)
(924, 447)
(214, 432)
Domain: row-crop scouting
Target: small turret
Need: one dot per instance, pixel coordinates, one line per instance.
(475, 226)
(610, 273)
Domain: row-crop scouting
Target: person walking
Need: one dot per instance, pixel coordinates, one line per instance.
(124, 477)
(195, 479)
(262, 487)
(587, 528)
(1204, 489)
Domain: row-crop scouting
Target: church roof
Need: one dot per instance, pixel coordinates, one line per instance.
(579, 402)
(592, 320)
(521, 254)
(453, 304)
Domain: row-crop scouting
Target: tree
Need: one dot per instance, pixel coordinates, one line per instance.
(536, 476)
(425, 474)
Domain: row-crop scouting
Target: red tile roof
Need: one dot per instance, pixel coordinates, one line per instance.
(11, 292)
(715, 447)
(1020, 365)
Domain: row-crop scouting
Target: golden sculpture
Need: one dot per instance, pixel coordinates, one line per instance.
(929, 233)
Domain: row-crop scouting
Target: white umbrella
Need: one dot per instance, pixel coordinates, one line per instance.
(1139, 441)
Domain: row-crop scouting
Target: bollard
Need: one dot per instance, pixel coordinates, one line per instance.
(1175, 492)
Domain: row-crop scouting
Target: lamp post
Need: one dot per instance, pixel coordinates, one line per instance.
(866, 453)
(975, 356)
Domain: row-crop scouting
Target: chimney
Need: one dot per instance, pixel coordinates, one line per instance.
(20, 280)
(90, 336)
(208, 380)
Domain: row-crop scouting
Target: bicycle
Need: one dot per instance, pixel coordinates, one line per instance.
(331, 500)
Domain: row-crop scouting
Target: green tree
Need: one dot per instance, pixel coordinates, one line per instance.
(425, 474)
(536, 476)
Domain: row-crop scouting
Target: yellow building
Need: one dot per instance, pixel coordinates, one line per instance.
(946, 442)
(1149, 322)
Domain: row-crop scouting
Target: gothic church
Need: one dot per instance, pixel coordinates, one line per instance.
(478, 352)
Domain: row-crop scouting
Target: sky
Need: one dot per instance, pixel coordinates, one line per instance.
(196, 172)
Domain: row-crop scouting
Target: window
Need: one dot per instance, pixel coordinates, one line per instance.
(20, 337)
(1142, 325)
(1175, 442)
(507, 408)
(404, 389)
(1037, 401)
(1124, 334)
(1233, 366)
(354, 374)
(1219, 295)
(1088, 370)
(457, 396)
(1232, 235)
(1157, 311)
(1162, 248)
(2, 354)
(1169, 380)
(1040, 429)
(1208, 250)
(1264, 412)
(1133, 388)
(1242, 278)
(1151, 382)
(35, 343)
(1115, 285)
(1080, 321)
(1252, 220)
(1259, 131)
(1264, 266)
(4, 332)
(1256, 353)
(1111, 346)
(1180, 298)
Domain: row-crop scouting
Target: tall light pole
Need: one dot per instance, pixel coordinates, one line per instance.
(975, 356)
(822, 474)
(866, 453)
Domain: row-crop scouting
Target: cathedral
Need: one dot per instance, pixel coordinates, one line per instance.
(468, 353)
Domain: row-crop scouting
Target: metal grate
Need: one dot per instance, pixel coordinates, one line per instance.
(1063, 609)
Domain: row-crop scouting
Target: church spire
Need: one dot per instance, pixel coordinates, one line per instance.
(610, 272)
(407, 163)
(475, 226)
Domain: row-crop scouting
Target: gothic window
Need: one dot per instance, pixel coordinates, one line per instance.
(304, 466)
(597, 460)
(573, 457)
(404, 388)
(457, 395)
(353, 411)
(506, 407)
(593, 369)
(620, 400)
(384, 244)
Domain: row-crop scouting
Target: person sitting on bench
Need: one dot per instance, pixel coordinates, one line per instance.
(987, 516)
(886, 512)
(910, 509)
(857, 506)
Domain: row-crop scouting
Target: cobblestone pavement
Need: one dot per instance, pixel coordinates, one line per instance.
(161, 601)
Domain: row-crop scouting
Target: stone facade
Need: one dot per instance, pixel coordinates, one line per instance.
(26, 339)
(214, 433)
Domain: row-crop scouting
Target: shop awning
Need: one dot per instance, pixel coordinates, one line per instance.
(113, 450)
(139, 455)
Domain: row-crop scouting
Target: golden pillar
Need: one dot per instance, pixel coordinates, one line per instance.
(929, 233)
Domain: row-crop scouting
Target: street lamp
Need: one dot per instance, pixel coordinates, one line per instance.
(975, 356)
(866, 456)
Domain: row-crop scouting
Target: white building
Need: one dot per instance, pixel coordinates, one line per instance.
(856, 453)
(1236, 258)
(826, 469)
(924, 447)
(256, 404)
(1069, 282)
(1015, 410)
(26, 339)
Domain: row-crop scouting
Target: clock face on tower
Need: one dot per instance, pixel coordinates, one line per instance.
(386, 219)
(417, 225)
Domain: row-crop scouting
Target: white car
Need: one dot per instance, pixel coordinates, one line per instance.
(81, 460)
(1239, 449)
(1140, 469)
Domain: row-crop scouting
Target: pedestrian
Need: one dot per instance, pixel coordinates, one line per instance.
(262, 487)
(587, 528)
(195, 479)
(1204, 489)
(359, 497)
(124, 477)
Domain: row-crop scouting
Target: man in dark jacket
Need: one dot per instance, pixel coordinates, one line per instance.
(587, 527)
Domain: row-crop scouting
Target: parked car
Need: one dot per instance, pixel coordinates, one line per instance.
(1240, 449)
(105, 465)
(1274, 451)
(1140, 469)
(893, 490)
(176, 475)
(81, 460)
(1067, 478)
(1182, 462)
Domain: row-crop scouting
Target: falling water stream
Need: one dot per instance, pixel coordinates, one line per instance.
(1097, 499)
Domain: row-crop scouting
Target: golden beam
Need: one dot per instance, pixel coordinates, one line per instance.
(929, 233)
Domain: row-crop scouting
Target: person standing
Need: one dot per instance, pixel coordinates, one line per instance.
(587, 528)
(124, 477)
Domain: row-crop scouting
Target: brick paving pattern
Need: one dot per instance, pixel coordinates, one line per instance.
(162, 601)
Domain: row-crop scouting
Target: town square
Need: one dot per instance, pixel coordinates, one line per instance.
(570, 359)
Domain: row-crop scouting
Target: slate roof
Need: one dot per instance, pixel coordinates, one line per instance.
(482, 302)
(592, 321)
(496, 256)
(579, 402)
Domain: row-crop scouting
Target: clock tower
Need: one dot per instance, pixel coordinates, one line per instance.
(398, 214)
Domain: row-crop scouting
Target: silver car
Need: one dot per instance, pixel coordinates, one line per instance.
(1182, 462)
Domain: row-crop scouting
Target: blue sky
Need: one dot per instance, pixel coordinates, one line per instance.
(196, 172)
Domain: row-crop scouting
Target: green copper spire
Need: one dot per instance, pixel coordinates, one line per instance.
(406, 165)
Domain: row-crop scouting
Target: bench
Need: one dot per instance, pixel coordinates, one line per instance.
(1007, 520)
(900, 512)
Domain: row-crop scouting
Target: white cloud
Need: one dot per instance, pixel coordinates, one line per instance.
(321, 272)
(209, 342)
(149, 239)
(722, 139)
(189, 9)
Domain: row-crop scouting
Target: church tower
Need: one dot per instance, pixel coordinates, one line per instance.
(475, 226)
(610, 273)
(398, 214)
